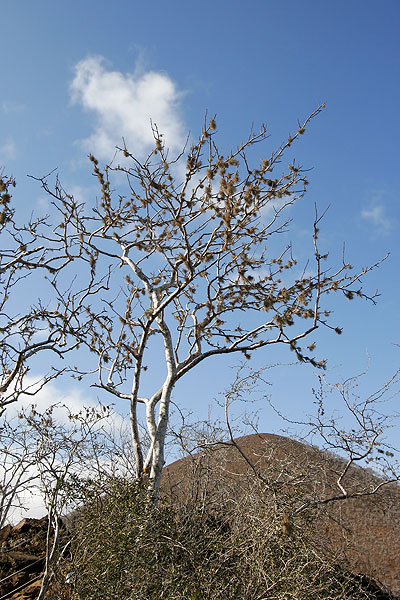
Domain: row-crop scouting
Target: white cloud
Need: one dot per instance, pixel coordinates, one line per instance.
(75, 398)
(12, 107)
(49, 395)
(123, 105)
(376, 216)
(8, 151)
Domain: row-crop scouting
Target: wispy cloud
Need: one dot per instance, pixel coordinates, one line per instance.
(8, 151)
(11, 107)
(377, 217)
(123, 105)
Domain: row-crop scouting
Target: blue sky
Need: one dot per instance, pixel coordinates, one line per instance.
(76, 76)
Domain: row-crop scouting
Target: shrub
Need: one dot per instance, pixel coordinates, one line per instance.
(126, 548)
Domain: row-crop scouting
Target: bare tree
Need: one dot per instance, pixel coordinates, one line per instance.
(183, 258)
(253, 517)
(358, 434)
(18, 473)
(55, 454)
(28, 252)
(64, 457)
(348, 429)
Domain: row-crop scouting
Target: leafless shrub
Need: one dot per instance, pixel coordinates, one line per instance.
(127, 548)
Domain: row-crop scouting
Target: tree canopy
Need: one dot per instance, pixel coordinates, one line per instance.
(180, 252)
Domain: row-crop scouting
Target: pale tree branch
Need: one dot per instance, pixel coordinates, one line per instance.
(183, 263)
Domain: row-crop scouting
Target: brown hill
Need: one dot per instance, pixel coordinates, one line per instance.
(362, 531)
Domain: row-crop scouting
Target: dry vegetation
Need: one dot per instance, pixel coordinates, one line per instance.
(181, 258)
(222, 532)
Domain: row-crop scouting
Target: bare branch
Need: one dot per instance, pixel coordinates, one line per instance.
(183, 261)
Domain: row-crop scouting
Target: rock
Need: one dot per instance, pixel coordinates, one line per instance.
(30, 592)
(29, 524)
(5, 532)
(22, 558)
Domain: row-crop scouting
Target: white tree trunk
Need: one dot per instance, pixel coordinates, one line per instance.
(159, 441)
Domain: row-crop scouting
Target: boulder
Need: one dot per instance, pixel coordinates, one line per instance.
(22, 558)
